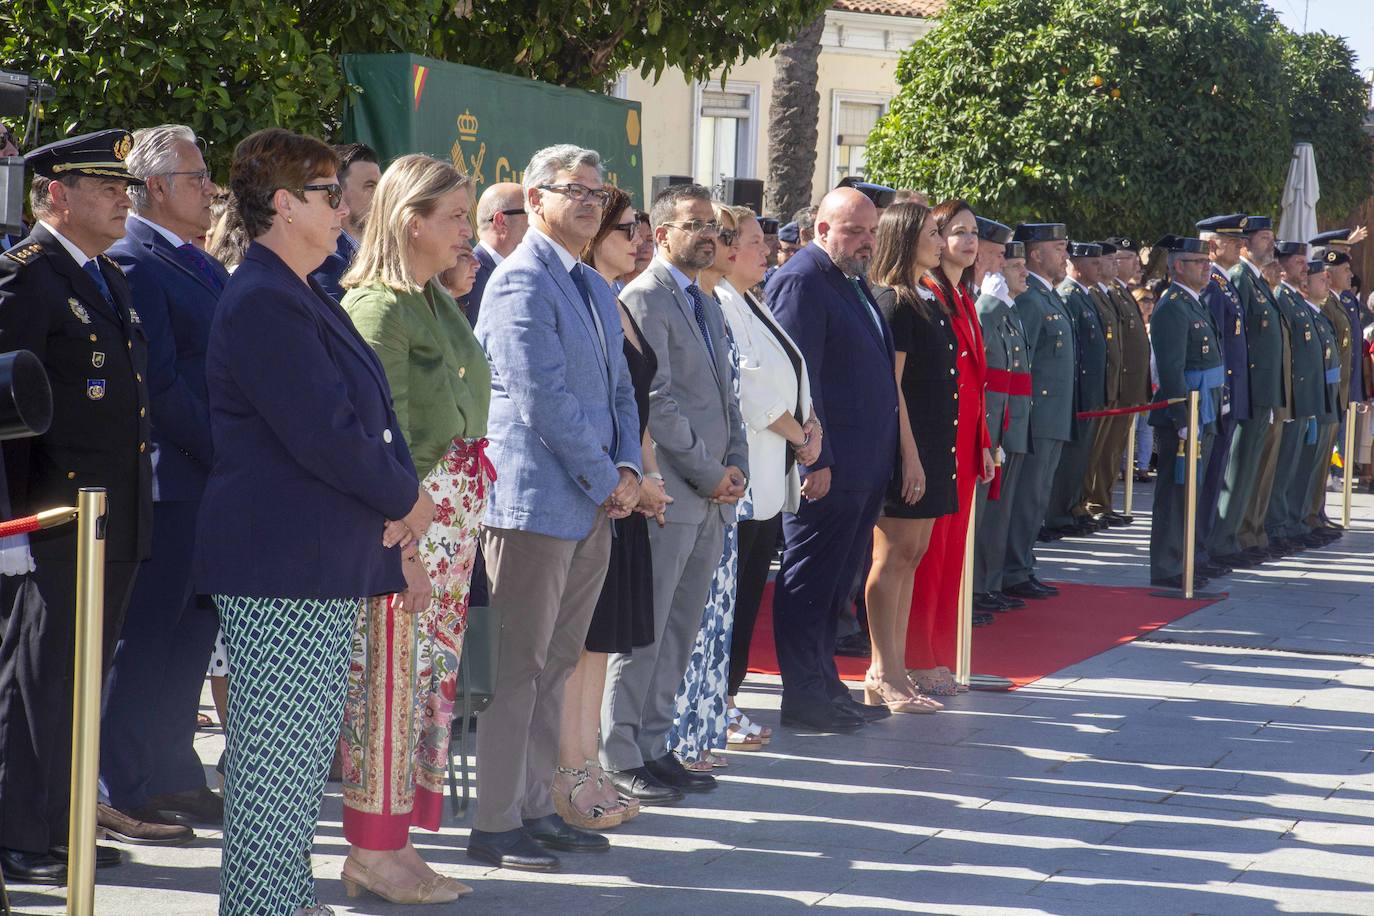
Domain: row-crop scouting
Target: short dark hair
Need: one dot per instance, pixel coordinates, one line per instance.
(664, 207)
(269, 160)
(805, 218)
(350, 153)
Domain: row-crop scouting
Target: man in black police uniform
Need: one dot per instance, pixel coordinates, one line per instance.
(62, 298)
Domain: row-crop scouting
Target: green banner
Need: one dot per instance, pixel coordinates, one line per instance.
(487, 123)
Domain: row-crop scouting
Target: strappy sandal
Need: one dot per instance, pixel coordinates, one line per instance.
(946, 673)
(934, 685)
(628, 805)
(739, 739)
(597, 817)
(737, 718)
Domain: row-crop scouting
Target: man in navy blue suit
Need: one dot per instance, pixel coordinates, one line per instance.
(359, 173)
(820, 298)
(150, 769)
(501, 225)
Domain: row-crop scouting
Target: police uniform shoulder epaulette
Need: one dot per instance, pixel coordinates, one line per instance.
(25, 254)
(112, 262)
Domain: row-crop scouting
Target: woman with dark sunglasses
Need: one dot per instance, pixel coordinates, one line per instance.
(311, 508)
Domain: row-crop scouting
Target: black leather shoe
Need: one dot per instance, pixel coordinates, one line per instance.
(862, 710)
(1024, 590)
(1213, 570)
(21, 867)
(1047, 536)
(1048, 589)
(1235, 560)
(105, 856)
(1117, 520)
(639, 783)
(667, 770)
(855, 645)
(510, 849)
(194, 807)
(1256, 555)
(987, 601)
(1177, 582)
(982, 618)
(824, 718)
(552, 832)
(1008, 602)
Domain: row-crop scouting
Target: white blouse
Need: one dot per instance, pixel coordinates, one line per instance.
(769, 387)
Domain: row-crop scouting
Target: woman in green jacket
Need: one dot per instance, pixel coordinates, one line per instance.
(403, 676)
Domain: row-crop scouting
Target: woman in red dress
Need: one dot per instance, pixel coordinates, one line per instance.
(933, 630)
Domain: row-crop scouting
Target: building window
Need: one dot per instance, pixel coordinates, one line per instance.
(727, 121)
(854, 120)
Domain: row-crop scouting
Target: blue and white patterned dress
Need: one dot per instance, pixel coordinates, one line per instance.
(699, 717)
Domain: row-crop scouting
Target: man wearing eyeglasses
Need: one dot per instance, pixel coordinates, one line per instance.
(150, 768)
(501, 225)
(63, 298)
(699, 439)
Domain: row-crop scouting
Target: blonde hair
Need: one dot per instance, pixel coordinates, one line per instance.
(410, 188)
(742, 213)
(725, 214)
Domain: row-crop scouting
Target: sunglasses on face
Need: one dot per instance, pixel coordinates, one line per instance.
(728, 237)
(628, 228)
(334, 193)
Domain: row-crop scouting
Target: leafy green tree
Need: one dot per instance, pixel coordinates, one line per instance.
(1115, 116)
(1327, 102)
(228, 67)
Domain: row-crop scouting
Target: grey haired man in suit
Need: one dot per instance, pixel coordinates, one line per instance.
(699, 439)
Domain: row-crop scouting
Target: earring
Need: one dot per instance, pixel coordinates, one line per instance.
(290, 220)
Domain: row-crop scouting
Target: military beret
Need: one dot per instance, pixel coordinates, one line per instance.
(1181, 244)
(789, 233)
(1014, 250)
(1107, 247)
(989, 230)
(768, 225)
(1316, 266)
(1286, 249)
(1230, 224)
(1125, 244)
(1252, 224)
(1335, 258)
(1085, 250)
(1333, 237)
(1041, 232)
(881, 195)
(96, 155)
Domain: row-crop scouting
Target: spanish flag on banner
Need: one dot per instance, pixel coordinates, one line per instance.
(417, 81)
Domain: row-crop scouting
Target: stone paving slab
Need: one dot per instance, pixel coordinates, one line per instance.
(1209, 775)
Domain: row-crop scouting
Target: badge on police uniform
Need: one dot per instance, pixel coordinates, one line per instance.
(1307, 334)
(97, 359)
(79, 311)
(1237, 327)
(133, 316)
(95, 388)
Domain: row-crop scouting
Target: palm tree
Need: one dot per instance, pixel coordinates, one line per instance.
(793, 122)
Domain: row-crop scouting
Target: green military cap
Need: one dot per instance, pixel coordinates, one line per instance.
(1014, 250)
(1287, 249)
(990, 230)
(1041, 232)
(1085, 250)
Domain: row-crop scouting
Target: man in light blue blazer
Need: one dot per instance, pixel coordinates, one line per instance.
(564, 435)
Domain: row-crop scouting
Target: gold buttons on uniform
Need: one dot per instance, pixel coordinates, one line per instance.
(142, 411)
(94, 338)
(142, 447)
(138, 377)
(71, 475)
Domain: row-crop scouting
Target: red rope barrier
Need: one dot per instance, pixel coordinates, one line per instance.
(1118, 411)
(18, 526)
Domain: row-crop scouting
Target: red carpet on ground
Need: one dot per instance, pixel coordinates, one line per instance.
(1035, 641)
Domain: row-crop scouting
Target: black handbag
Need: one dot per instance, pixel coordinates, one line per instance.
(476, 682)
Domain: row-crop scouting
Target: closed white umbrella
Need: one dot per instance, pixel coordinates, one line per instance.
(1300, 195)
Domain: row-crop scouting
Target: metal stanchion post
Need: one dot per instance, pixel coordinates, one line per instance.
(90, 616)
(964, 648)
(1130, 466)
(1348, 463)
(1190, 511)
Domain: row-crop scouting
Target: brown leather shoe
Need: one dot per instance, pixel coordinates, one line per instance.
(194, 807)
(142, 827)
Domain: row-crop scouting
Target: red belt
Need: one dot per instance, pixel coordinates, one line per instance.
(1004, 381)
(481, 466)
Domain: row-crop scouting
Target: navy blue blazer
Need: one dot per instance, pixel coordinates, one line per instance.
(485, 265)
(849, 360)
(335, 266)
(309, 459)
(177, 305)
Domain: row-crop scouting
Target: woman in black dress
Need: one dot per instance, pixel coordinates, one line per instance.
(908, 245)
(624, 615)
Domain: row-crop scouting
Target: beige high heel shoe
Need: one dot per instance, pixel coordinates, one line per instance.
(358, 878)
(878, 693)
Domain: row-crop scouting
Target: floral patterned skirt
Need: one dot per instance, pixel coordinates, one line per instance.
(403, 675)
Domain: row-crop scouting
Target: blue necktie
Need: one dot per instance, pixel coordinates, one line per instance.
(193, 255)
(580, 282)
(699, 312)
(93, 269)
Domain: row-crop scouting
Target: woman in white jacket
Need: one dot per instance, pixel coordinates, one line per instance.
(775, 402)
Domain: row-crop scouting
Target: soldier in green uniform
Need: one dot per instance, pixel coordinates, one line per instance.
(1136, 385)
(64, 299)
(1187, 358)
(1334, 330)
(1050, 341)
(1308, 391)
(1063, 516)
(1239, 527)
(1103, 464)
(1008, 414)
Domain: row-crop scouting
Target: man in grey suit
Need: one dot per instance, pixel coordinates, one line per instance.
(564, 435)
(699, 439)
